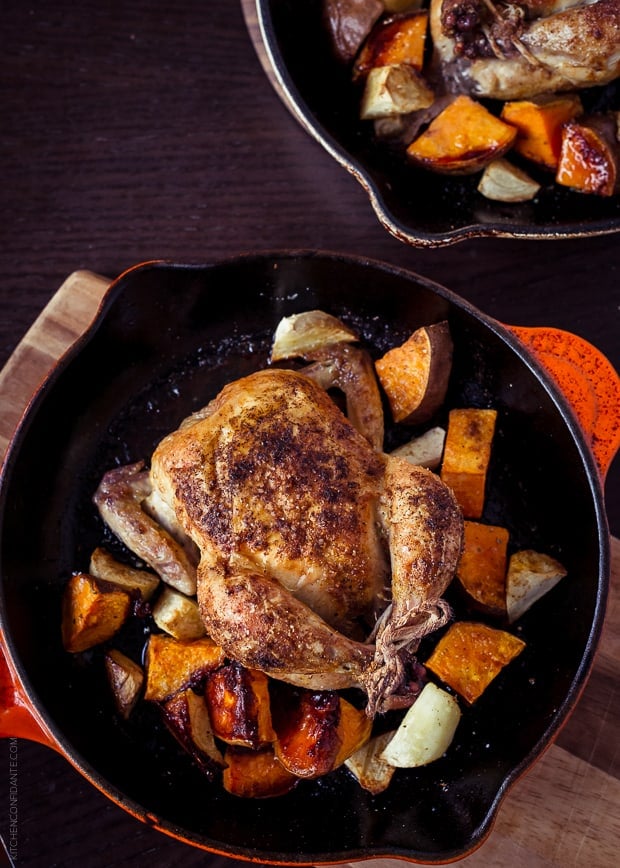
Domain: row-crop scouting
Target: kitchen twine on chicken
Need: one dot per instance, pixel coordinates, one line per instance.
(11, 841)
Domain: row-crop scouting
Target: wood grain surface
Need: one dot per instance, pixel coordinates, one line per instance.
(138, 131)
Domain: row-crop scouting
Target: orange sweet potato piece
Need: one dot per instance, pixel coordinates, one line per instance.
(306, 726)
(462, 139)
(539, 126)
(172, 664)
(92, 612)
(415, 374)
(466, 457)
(589, 157)
(470, 655)
(354, 728)
(482, 566)
(255, 774)
(238, 703)
(393, 41)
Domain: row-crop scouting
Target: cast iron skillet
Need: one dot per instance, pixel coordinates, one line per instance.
(166, 339)
(418, 207)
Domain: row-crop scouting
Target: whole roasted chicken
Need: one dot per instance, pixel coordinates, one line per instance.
(321, 560)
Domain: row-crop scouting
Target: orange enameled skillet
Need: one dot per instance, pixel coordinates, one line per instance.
(166, 339)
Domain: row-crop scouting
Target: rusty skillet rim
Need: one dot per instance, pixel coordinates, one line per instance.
(405, 231)
(586, 658)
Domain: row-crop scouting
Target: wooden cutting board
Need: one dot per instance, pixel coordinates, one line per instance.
(566, 810)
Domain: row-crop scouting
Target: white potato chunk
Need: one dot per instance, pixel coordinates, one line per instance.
(394, 90)
(126, 678)
(530, 576)
(369, 767)
(104, 566)
(200, 726)
(426, 730)
(425, 450)
(187, 716)
(503, 182)
(303, 332)
(178, 615)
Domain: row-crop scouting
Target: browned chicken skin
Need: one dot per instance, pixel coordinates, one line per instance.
(514, 49)
(295, 515)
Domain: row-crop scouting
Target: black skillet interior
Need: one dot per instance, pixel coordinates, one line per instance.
(418, 206)
(169, 337)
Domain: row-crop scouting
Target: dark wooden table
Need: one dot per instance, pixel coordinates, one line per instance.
(132, 131)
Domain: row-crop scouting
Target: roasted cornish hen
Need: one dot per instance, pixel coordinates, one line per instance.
(309, 539)
(294, 515)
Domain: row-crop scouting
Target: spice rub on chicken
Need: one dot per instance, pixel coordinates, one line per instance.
(297, 519)
(321, 560)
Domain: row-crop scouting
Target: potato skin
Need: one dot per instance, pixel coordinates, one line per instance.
(415, 374)
(590, 157)
(348, 23)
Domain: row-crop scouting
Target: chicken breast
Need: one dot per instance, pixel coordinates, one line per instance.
(273, 475)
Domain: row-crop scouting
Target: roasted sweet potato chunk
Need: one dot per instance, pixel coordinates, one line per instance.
(482, 567)
(393, 41)
(415, 374)
(539, 123)
(462, 139)
(466, 456)
(239, 707)
(92, 612)
(470, 655)
(172, 665)
(306, 726)
(255, 774)
(589, 157)
(316, 731)
(354, 728)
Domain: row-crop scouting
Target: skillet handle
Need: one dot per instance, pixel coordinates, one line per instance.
(587, 380)
(17, 718)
